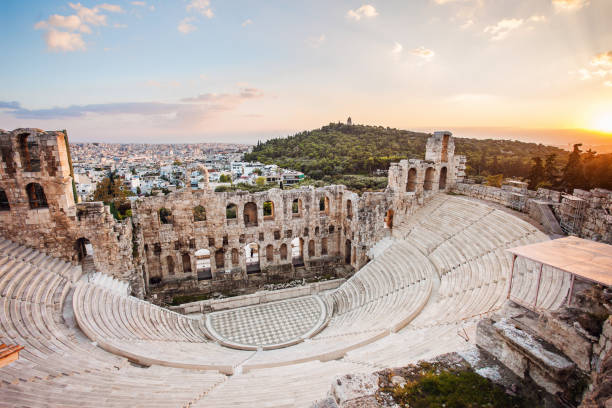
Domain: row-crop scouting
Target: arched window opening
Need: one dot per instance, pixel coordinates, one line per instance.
(165, 215)
(4, 202)
(389, 219)
(199, 213)
(297, 251)
(250, 214)
(83, 249)
(231, 211)
(347, 252)
(311, 248)
(29, 152)
(324, 246)
(349, 209)
(235, 257)
(186, 263)
(283, 252)
(270, 253)
(170, 264)
(36, 196)
(429, 178)
(296, 207)
(317, 230)
(251, 251)
(411, 181)
(443, 172)
(203, 264)
(220, 259)
(268, 210)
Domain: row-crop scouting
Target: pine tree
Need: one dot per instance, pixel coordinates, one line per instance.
(573, 172)
(550, 171)
(536, 174)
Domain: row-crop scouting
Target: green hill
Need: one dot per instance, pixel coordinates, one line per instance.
(338, 150)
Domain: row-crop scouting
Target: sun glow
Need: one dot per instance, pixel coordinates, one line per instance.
(603, 123)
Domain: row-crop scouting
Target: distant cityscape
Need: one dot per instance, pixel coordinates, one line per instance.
(151, 169)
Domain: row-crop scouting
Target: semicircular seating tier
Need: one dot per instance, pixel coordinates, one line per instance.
(446, 267)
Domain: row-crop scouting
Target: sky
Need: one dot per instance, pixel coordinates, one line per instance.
(170, 71)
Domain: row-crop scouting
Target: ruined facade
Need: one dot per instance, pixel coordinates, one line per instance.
(202, 240)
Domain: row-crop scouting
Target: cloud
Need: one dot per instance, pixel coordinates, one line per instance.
(247, 22)
(504, 27)
(201, 6)
(367, 11)
(63, 32)
(64, 41)
(600, 67)
(423, 52)
(139, 3)
(316, 42)
(198, 107)
(467, 24)
(569, 5)
(538, 19)
(397, 49)
(185, 26)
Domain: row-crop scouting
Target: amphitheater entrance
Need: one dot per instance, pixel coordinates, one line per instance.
(297, 252)
(411, 182)
(347, 251)
(203, 264)
(251, 252)
(389, 219)
(83, 249)
(443, 173)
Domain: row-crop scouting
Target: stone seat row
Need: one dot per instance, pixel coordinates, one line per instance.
(21, 253)
(553, 289)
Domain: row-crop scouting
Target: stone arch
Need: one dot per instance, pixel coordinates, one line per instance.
(231, 211)
(324, 205)
(317, 230)
(36, 196)
(443, 174)
(349, 209)
(199, 213)
(203, 264)
(186, 259)
(251, 252)
(4, 202)
(83, 249)
(235, 257)
(324, 246)
(268, 210)
(411, 180)
(296, 207)
(220, 259)
(347, 252)
(269, 253)
(170, 264)
(297, 251)
(165, 215)
(29, 153)
(283, 252)
(429, 179)
(250, 214)
(311, 248)
(389, 219)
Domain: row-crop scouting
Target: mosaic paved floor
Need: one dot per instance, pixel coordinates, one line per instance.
(269, 323)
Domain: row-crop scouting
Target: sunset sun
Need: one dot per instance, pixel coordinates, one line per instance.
(603, 123)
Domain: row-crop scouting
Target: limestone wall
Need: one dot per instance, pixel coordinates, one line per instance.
(596, 222)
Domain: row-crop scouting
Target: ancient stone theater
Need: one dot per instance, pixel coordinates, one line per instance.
(431, 265)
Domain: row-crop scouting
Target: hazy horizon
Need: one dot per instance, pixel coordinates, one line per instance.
(194, 71)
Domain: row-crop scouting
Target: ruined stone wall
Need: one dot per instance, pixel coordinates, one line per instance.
(40, 211)
(320, 224)
(596, 223)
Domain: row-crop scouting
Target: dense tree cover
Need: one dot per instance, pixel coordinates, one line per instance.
(339, 149)
(584, 170)
(113, 193)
